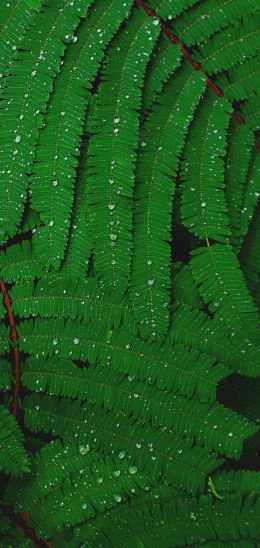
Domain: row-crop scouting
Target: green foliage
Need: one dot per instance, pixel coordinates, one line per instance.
(13, 457)
(129, 273)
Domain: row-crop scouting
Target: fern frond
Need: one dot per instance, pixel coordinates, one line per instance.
(24, 99)
(196, 330)
(15, 19)
(19, 263)
(238, 481)
(251, 193)
(4, 339)
(5, 375)
(13, 457)
(206, 18)
(250, 110)
(169, 9)
(166, 366)
(227, 295)
(226, 48)
(163, 63)
(68, 485)
(110, 173)
(203, 206)
(180, 522)
(239, 153)
(67, 297)
(242, 81)
(183, 288)
(55, 165)
(224, 431)
(164, 136)
(156, 452)
(78, 248)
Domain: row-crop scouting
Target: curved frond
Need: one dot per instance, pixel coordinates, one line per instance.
(179, 522)
(112, 150)
(166, 366)
(13, 457)
(227, 295)
(164, 136)
(29, 86)
(203, 206)
(66, 297)
(19, 263)
(242, 81)
(198, 24)
(196, 330)
(239, 154)
(226, 48)
(163, 63)
(223, 430)
(180, 464)
(5, 375)
(54, 170)
(15, 19)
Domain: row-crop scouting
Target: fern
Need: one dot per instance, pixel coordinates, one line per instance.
(129, 273)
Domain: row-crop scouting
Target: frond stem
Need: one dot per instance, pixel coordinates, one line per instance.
(14, 338)
(186, 55)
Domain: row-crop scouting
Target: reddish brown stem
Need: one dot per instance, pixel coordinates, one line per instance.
(186, 55)
(14, 337)
(21, 522)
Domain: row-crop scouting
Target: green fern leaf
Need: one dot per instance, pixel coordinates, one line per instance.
(5, 375)
(110, 173)
(52, 184)
(223, 431)
(29, 87)
(242, 81)
(163, 63)
(19, 263)
(239, 153)
(64, 297)
(13, 457)
(181, 465)
(227, 47)
(166, 366)
(203, 207)
(164, 137)
(227, 297)
(15, 19)
(169, 9)
(207, 17)
(196, 330)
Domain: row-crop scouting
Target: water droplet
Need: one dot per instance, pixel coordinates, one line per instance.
(122, 454)
(113, 237)
(111, 206)
(55, 341)
(116, 130)
(127, 346)
(116, 120)
(100, 480)
(51, 223)
(117, 498)
(84, 449)
(133, 469)
(203, 204)
(75, 340)
(150, 282)
(231, 434)
(54, 183)
(18, 138)
(84, 506)
(149, 262)
(116, 473)
(156, 21)
(33, 73)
